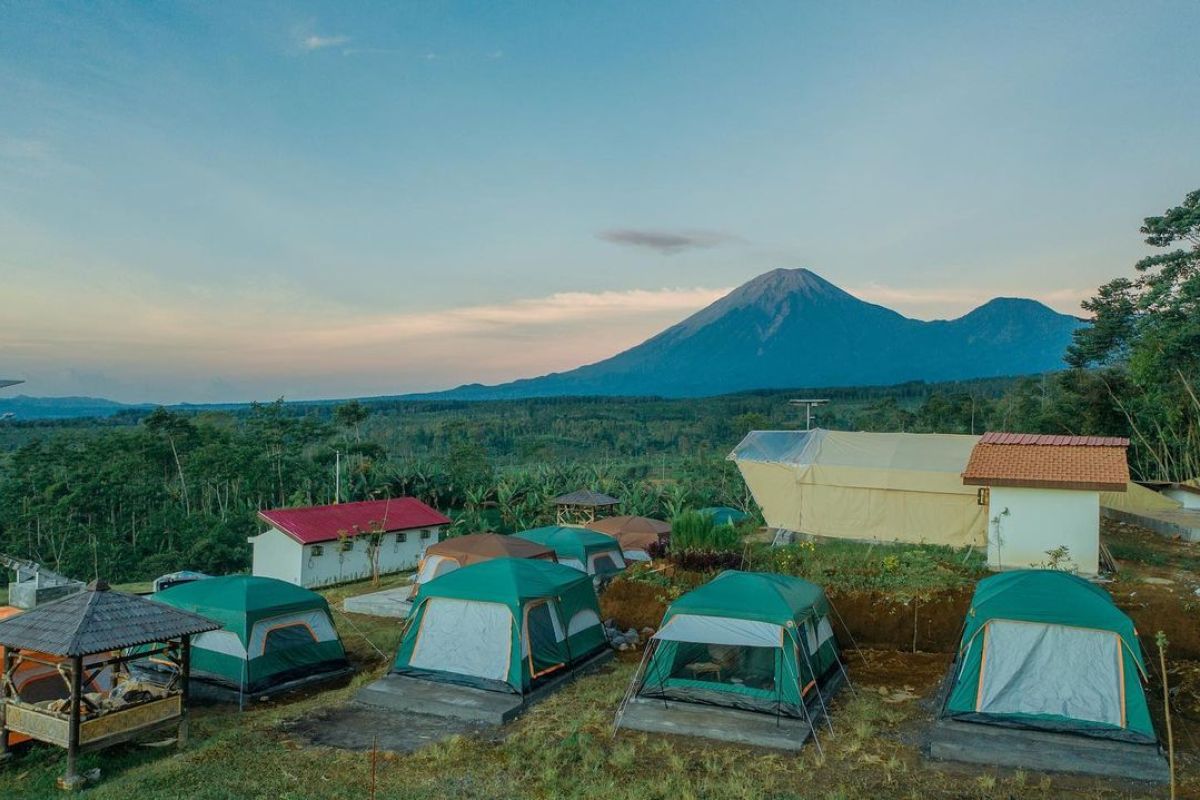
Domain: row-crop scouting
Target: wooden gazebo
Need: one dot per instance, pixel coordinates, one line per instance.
(583, 506)
(80, 637)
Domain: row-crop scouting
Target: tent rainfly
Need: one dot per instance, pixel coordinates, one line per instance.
(275, 636)
(725, 515)
(1049, 650)
(461, 551)
(746, 641)
(579, 548)
(501, 625)
(1048, 676)
(635, 534)
(904, 487)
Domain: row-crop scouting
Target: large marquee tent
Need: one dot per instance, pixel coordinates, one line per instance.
(867, 486)
(501, 625)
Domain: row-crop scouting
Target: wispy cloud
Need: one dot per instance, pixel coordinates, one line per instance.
(315, 41)
(664, 241)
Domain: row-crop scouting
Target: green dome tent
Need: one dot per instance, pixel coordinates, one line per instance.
(580, 548)
(274, 635)
(753, 641)
(501, 625)
(1049, 650)
(725, 515)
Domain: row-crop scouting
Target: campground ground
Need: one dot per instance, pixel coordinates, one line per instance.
(564, 748)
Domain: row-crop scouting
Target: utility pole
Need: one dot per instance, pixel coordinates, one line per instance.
(337, 477)
(809, 404)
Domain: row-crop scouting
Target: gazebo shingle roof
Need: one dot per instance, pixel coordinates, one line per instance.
(585, 497)
(96, 621)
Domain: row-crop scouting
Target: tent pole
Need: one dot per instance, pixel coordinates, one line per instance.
(846, 628)
(817, 685)
(635, 684)
(804, 707)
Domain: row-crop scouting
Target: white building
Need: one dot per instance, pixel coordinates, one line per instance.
(324, 545)
(1187, 494)
(1043, 497)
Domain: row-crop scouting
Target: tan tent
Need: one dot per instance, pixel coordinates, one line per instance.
(904, 487)
(460, 551)
(636, 534)
(1136, 499)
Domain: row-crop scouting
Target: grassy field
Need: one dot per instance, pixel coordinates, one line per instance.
(564, 747)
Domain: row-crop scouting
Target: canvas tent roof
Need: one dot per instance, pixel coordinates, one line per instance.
(633, 533)
(570, 542)
(238, 601)
(476, 547)
(506, 580)
(762, 596)
(724, 515)
(96, 621)
(864, 486)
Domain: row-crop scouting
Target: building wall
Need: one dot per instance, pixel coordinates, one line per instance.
(1023, 524)
(277, 555)
(1190, 500)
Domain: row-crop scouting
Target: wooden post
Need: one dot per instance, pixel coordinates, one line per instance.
(6, 664)
(185, 672)
(72, 780)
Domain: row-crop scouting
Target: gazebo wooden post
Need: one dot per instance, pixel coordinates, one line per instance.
(6, 665)
(185, 673)
(71, 780)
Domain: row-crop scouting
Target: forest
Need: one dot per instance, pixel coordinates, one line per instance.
(143, 493)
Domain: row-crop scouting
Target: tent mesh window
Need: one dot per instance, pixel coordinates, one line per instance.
(605, 564)
(287, 636)
(751, 667)
(543, 639)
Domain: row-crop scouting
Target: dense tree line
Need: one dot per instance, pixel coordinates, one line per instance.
(143, 493)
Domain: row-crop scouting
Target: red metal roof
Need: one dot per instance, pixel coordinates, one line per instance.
(312, 524)
(995, 437)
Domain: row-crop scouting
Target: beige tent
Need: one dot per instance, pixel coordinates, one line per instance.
(904, 487)
(1137, 499)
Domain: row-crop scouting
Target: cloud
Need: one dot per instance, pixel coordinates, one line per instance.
(316, 42)
(665, 242)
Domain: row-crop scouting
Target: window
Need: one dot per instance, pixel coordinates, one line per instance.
(287, 636)
(425, 534)
(401, 538)
(317, 550)
(347, 545)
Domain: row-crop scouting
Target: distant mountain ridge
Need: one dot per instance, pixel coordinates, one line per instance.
(791, 327)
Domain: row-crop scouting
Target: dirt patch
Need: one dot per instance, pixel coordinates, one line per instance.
(633, 604)
(353, 726)
(1173, 609)
(930, 625)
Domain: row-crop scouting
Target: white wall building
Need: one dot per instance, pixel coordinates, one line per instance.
(1043, 497)
(324, 545)
(1186, 494)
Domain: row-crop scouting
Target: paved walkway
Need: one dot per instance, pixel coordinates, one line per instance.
(387, 603)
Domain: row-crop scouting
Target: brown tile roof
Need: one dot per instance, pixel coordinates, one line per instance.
(1053, 462)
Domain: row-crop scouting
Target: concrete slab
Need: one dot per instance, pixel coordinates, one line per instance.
(387, 603)
(1177, 523)
(654, 715)
(1045, 751)
(421, 696)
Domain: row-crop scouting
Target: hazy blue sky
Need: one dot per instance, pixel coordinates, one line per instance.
(224, 201)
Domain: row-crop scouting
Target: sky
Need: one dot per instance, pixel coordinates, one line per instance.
(230, 201)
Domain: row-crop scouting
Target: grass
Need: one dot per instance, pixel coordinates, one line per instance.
(563, 747)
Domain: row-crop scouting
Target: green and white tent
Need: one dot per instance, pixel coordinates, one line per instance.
(503, 624)
(1049, 650)
(579, 548)
(754, 641)
(273, 633)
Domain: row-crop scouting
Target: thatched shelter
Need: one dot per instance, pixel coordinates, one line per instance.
(69, 634)
(583, 506)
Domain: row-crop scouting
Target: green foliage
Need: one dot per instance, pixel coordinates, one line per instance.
(692, 530)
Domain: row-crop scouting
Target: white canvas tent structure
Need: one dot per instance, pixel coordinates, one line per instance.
(904, 487)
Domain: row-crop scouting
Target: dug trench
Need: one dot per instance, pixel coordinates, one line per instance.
(931, 623)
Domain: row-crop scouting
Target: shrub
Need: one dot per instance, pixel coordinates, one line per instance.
(692, 530)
